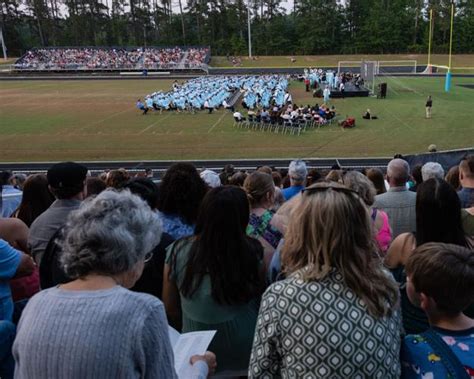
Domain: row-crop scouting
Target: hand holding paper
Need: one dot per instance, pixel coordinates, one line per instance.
(186, 346)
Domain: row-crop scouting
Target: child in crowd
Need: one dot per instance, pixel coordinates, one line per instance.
(440, 280)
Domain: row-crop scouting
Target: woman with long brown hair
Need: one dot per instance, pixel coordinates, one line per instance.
(36, 199)
(335, 315)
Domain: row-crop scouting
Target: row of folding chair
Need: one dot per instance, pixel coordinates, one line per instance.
(286, 127)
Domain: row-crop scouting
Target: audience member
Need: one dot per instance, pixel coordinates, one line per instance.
(264, 224)
(432, 170)
(217, 277)
(117, 178)
(36, 199)
(440, 282)
(277, 179)
(181, 193)
(398, 202)
(226, 174)
(110, 331)
(467, 216)
(297, 172)
(313, 176)
(7, 336)
(438, 219)
(151, 280)
(211, 178)
(335, 284)
(432, 148)
(15, 233)
(265, 169)
(452, 177)
(18, 181)
(335, 176)
(11, 196)
(375, 175)
(416, 177)
(366, 190)
(95, 186)
(278, 195)
(13, 264)
(67, 182)
(238, 179)
(466, 178)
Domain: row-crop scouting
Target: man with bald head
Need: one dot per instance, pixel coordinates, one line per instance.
(398, 202)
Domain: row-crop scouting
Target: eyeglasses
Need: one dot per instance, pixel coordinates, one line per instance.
(148, 256)
(322, 189)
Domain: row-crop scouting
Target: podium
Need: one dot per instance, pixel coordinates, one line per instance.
(382, 91)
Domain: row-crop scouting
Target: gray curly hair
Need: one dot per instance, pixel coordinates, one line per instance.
(109, 234)
(362, 185)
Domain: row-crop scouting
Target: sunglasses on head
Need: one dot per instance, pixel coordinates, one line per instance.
(323, 189)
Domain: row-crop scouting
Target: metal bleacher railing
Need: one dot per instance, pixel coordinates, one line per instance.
(135, 62)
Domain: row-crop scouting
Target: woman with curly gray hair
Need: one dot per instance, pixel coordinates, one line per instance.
(94, 326)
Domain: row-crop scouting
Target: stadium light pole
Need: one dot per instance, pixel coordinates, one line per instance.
(249, 30)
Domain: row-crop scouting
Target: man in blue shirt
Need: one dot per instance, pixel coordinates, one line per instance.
(11, 197)
(297, 172)
(141, 106)
(13, 263)
(466, 178)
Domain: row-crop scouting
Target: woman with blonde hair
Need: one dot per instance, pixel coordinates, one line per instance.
(366, 190)
(335, 315)
(264, 224)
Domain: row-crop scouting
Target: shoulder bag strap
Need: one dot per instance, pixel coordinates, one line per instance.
(452, 363)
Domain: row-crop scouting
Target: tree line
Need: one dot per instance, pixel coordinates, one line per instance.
(309, 27)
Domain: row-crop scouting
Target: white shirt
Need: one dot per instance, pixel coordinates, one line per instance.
(238, 115)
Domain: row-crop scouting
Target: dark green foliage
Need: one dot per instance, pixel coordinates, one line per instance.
(311, 27)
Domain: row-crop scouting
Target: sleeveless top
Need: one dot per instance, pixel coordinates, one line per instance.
(260, 227)
(384, 235)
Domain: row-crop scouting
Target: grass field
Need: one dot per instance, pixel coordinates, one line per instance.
(460, 60)
(97, 120)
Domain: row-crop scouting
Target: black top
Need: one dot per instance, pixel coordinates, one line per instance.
(151, 281)
(429, 103)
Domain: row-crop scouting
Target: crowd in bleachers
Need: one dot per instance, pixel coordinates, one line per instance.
(302, 272)
(92, 58)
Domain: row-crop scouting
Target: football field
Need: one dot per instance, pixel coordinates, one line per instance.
(97, 120)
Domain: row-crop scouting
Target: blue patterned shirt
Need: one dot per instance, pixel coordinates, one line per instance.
(419, 361)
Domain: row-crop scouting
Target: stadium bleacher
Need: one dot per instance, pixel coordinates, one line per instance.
(113, 58)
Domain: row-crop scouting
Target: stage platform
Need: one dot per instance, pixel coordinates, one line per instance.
(350, 91)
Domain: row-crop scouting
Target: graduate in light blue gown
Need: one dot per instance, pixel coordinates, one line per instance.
(260, 91)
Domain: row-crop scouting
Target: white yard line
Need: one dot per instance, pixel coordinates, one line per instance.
(217, 122)
(94, 123)
(152, 125)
